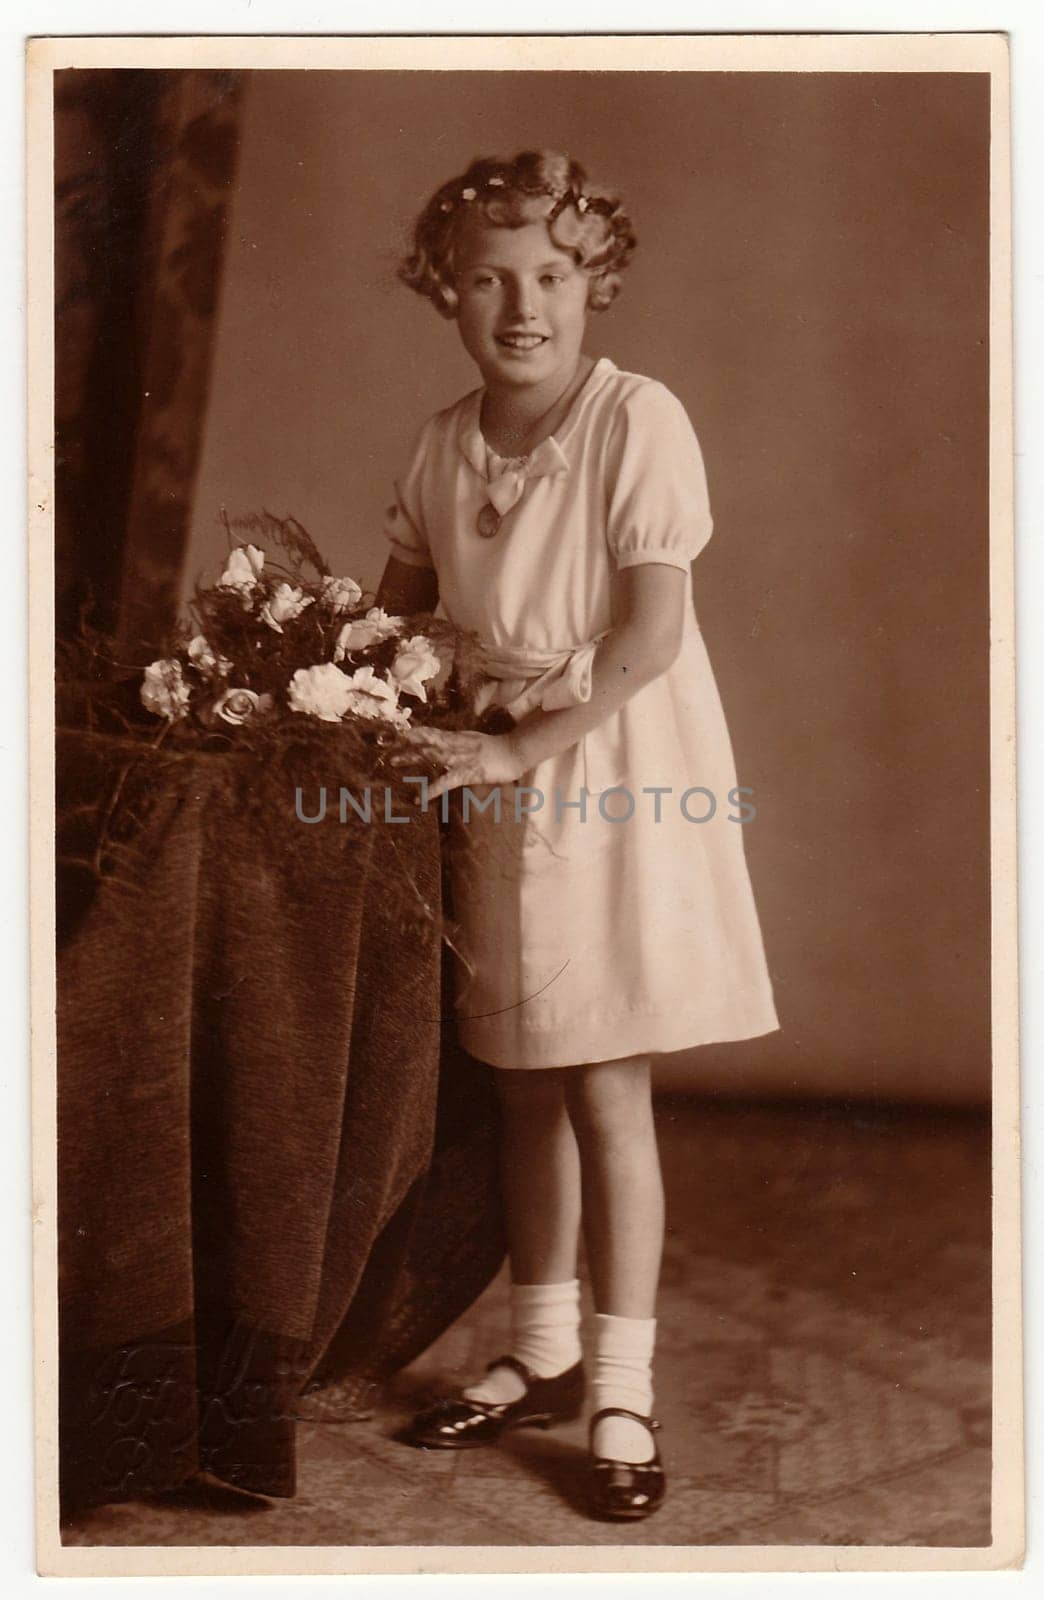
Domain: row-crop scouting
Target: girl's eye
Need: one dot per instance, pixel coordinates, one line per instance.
(552, 277)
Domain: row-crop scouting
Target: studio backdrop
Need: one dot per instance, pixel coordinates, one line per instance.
(811, 281)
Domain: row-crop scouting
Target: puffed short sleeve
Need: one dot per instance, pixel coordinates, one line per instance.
(658, 505)
(404, 526)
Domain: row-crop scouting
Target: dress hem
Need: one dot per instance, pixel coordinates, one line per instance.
(612, 1039)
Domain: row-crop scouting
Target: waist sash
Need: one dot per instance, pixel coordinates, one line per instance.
(551, 679)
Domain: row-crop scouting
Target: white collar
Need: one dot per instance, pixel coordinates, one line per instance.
(547, 457)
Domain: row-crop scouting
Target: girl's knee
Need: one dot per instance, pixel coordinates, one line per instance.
(611, 1096)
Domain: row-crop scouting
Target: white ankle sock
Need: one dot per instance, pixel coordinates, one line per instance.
(623, 1377)
(545, 1335)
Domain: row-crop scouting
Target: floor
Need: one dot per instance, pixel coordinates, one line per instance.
(822, 1366)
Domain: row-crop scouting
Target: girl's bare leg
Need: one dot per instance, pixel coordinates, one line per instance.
(610, 1107)
(540, 1175)
(540, 1180)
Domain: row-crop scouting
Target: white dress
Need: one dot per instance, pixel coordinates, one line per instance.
(585, 939)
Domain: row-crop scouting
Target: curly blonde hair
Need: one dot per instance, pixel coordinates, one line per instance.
(537, 185)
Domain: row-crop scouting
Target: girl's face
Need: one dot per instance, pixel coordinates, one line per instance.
(522, 305)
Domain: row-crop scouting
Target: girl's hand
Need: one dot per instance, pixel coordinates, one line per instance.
(468, 758)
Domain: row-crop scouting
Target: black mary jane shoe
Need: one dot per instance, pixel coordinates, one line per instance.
(455, 1423)
(625, 1489)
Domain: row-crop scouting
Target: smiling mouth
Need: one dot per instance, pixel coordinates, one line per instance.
(521, 341)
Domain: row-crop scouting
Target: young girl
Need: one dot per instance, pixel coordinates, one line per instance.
(607, 914)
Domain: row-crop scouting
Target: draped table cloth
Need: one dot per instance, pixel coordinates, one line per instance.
(276, 1171)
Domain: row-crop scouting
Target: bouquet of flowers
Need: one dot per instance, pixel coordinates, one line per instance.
(270, 642)
(286, 676)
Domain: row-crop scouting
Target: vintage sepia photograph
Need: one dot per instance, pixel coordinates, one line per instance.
(526, 1061)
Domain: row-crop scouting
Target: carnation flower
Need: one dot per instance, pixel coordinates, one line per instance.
(367, 631)
(283, 605)
(164, 690)
(201, 654)
(237, 706)
(375, 698)
(323, 691)
(341, 594)
(415, 662)
(244, 568)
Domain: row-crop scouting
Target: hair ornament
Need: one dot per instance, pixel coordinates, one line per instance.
(561, 196)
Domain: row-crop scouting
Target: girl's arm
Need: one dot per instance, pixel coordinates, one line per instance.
(642, 646)
(405, 589)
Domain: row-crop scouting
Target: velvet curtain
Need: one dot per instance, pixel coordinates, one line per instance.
(144, 166)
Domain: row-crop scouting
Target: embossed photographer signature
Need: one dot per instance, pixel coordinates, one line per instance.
(147, 1392)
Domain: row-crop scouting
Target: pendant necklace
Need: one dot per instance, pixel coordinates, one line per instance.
(489, 519)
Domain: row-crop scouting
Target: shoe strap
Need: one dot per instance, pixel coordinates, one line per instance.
(621, 1411)
(528, 1378)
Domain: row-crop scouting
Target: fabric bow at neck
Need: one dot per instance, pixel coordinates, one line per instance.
(505, 478)
(506, 483)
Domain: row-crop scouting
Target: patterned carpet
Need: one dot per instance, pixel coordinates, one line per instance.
(823, 1366)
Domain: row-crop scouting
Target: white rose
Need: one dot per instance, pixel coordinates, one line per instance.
(283, 605)
(415, 663)
(164, 690)
(201, 654)
(369, 630)
(341, 594)
(244, 568)
(240, 705)
(375, 698)
(320, 692)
